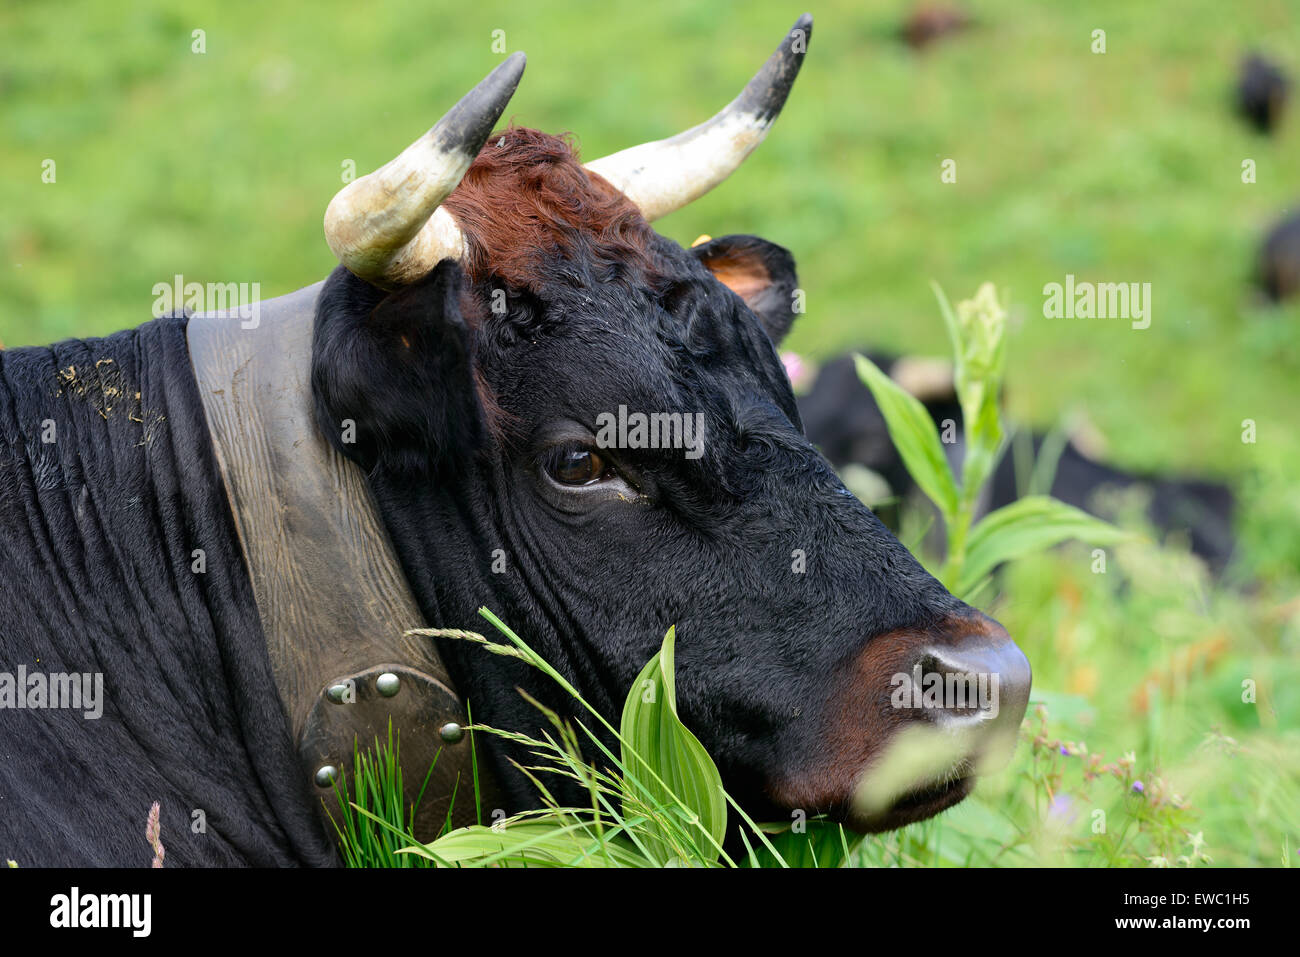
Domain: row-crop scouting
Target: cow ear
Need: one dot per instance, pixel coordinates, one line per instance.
(759, 272)
(392, 373)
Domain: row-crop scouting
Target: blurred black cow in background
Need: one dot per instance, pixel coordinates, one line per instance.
(1261, 97)
(1262, 90)
(842, 419)
(1278, 268)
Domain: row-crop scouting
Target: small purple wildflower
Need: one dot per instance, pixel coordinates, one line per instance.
(1137, 786)
(1062, 809)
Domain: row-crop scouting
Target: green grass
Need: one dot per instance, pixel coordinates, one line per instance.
(658, 802)
(369, 811)
(1116, 167)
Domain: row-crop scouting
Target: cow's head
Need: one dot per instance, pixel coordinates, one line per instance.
(504, 314)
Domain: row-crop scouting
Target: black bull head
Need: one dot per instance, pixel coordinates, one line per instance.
(503, 317)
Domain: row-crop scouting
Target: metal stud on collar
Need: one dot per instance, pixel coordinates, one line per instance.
(361, 705)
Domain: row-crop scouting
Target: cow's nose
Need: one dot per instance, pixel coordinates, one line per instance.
(915, 717)
(977, 686)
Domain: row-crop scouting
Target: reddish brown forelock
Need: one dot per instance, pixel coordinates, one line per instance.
(526, 202)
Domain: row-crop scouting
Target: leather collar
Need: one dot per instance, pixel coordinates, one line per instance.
(333, 601)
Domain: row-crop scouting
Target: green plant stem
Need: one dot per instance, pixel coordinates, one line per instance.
(958, 531)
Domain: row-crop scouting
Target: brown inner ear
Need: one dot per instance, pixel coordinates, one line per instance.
(746, 277)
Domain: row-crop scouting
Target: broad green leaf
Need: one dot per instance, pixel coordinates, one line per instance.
(673, 770)
(913, 433)
(1029, 525)
(561, 841)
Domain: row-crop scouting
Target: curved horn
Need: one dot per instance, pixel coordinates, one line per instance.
(386, 227)
(665, 175)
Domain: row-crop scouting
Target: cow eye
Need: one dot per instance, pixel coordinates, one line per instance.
(576, 465)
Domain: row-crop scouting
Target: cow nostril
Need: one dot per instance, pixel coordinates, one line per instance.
(971, 684)
(953, 691)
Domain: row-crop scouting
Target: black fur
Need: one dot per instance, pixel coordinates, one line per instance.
(420, 411)
(97, 531)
